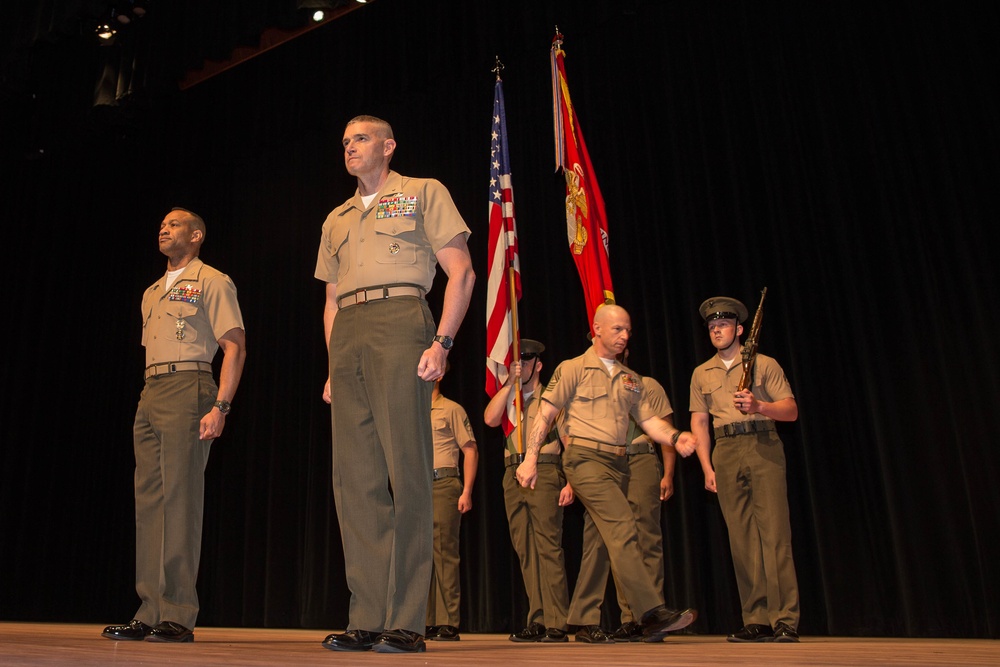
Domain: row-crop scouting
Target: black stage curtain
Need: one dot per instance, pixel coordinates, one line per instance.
(842, 154)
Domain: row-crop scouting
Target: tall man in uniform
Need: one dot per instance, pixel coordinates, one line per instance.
(598, 393)
(378, 256)
(749, 472)
(452, 498)
(187, 315)
(535, 515)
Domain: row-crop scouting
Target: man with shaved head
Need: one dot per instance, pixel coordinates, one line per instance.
(597, 394)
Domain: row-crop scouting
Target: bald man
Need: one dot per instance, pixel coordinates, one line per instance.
(597, 394)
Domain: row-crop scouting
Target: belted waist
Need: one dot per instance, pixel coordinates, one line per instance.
(516, 459)
(176, 366)
(739, 428)
(639, 448)
(617, 450)
(378, 293)
(441, 473)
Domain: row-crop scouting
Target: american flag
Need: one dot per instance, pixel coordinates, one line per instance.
(502, 256)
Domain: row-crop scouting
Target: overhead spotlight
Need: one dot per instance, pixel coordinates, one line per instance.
(123, 14)
(318, 15)
(139, 8)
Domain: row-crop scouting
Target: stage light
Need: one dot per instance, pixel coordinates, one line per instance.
(106, 32)
(319, 15)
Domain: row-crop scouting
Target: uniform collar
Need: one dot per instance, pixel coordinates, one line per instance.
(393, 183)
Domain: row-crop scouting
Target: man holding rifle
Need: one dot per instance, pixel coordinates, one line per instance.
(749, 468)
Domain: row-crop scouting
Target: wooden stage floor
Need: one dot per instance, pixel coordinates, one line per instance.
(82, 645)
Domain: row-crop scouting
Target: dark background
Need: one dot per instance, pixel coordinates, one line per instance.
(842, 154)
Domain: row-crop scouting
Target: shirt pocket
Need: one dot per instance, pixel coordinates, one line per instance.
(181, 320)
(396, 240)
(714, 392)
(440, 425)
(592, 402)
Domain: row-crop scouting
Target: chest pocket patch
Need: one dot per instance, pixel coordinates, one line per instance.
(593, 401)
(395, 240)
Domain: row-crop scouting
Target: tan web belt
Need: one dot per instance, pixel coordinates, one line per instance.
(175, 367)
(441, 473)
(378, 293)
(617, 450)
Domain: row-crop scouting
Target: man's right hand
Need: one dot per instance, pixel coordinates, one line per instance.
(326, 392)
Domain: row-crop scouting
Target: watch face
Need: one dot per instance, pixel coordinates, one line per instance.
(446, 341)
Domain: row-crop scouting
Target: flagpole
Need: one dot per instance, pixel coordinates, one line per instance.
(515, 331)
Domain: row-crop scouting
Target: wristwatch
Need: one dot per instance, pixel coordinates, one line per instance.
(224, 407)
(446, 341)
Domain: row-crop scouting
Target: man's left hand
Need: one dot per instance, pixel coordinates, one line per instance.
(211, 425)
(432, 363)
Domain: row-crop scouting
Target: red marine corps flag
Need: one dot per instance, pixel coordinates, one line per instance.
(504, 267)
(586, 220)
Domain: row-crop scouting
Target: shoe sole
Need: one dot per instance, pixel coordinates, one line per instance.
(122, 639)
(349, 649)
(162, 640)
(388, 648)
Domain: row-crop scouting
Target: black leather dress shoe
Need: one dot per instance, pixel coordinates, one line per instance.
(554, 636)
(785, 633)
(168, 631)
(399, 641)
(445, 633)
(352, 640)
(628, 632)
(430, 631)
(658, 621)
(136, 630)
(593, 634)
(752, 632)
(532, 633)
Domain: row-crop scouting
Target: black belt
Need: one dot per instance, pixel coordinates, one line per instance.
(739, 428)
(175, 366)
(639, 448)
(378, 293)
(617, 450)
(516, 459)
(441, 473)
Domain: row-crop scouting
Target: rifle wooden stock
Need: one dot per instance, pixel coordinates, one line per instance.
(749, 351)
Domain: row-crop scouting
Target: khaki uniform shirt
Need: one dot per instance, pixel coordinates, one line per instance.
(451, 431)
(597, 403)
(713, 386)
(393, 241)
(656, 396)
(185, 322)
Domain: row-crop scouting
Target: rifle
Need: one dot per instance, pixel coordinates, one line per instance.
(749, 350)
